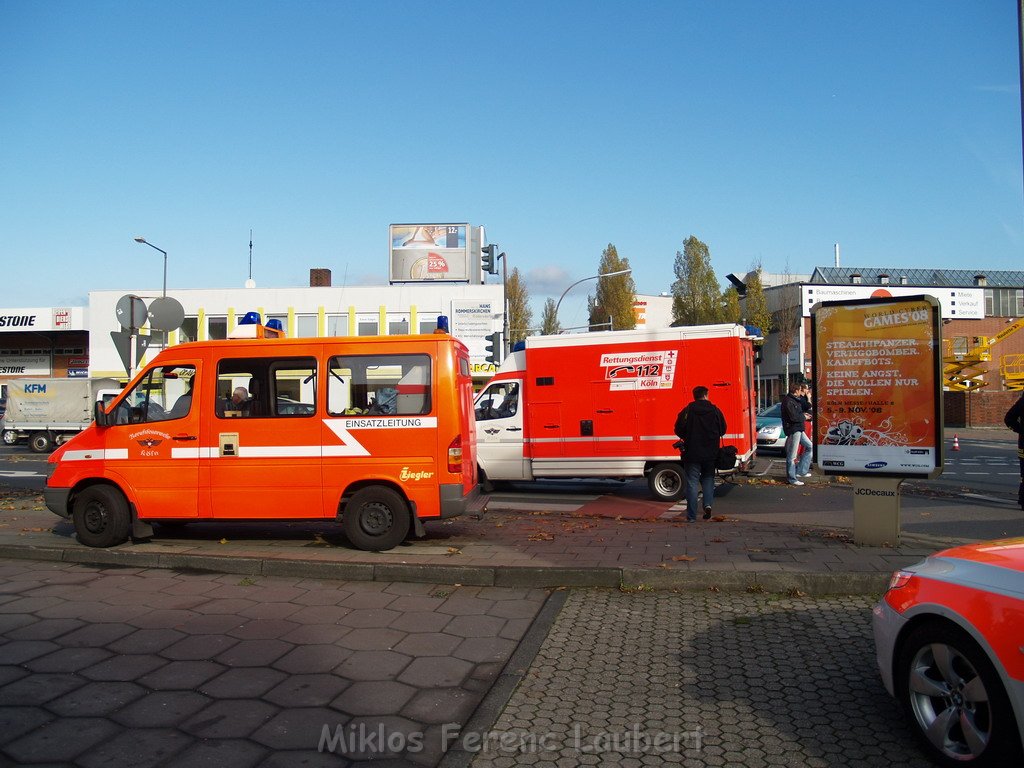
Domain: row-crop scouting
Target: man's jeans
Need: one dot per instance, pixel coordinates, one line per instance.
(699, 475)
(795, 468)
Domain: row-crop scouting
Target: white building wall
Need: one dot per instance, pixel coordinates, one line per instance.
(474, 311)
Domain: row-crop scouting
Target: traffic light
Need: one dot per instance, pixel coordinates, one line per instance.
(488, 260)
(494, 347)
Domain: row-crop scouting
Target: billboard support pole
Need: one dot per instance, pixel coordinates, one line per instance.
(876, 511)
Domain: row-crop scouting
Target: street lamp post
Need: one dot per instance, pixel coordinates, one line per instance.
(144, 241)
(592, 277)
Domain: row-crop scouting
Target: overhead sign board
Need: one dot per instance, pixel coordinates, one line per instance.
(471, 323)
(876, 367)
(43, 319)
(429, 253)
(25, 365)
(955, 303)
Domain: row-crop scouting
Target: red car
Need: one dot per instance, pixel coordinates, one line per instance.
(949, 636)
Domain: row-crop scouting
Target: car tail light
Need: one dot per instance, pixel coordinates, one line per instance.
(900, 579)
(455, 455)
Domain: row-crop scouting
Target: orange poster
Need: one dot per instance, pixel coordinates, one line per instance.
(878, 388)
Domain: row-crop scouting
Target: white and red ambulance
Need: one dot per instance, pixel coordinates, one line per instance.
(604, 404)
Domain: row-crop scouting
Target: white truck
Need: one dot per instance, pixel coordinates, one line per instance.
(48, 412)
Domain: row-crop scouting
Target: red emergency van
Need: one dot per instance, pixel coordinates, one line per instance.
(376, 432)
(605, 404)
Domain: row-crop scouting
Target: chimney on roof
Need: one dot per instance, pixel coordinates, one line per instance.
(320, 278)
(980, 280)
(883, 279)
(903, 279)
(837, 255)
(855, 278)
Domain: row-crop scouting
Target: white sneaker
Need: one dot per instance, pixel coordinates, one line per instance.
(807, 474)
(797, 482)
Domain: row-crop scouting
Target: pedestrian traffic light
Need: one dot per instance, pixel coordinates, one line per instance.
(488, 259)
(494, 347)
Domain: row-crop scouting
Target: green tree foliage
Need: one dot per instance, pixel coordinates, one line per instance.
(549, 324)
(756, 305)
(696, 294)
(614, 296)
(520, 316)
(731, 310)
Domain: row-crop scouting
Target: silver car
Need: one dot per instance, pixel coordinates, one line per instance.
(769, 430)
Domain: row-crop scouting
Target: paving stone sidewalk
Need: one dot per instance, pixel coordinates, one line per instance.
(134, 668)
(698, 680)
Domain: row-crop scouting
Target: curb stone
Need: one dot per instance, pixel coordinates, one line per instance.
(853, 583)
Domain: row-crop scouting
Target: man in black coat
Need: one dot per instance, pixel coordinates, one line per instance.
(1015, 421)
(701, 426)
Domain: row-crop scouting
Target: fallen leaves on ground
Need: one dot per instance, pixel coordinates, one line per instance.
(541, 536)
(684, 558)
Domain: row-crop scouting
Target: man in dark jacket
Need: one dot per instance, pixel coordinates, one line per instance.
(1015, 421)
(793, 424)
(701, 426)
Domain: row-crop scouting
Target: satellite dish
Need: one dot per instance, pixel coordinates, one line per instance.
(165, 314)
(130, 311)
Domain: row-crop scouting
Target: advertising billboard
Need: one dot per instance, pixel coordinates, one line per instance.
(429, 252)
(876, 368)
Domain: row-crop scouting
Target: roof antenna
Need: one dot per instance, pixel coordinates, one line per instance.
(250, 283)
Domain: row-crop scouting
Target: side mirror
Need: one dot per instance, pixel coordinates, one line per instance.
(100, 414)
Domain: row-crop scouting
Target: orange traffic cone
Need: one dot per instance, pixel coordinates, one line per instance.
(956, 443)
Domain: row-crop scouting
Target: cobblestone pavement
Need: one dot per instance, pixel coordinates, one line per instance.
(700, 680)
(133, 667)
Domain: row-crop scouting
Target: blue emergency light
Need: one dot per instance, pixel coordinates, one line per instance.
(251, 318)
(442, 323)
(275, 323)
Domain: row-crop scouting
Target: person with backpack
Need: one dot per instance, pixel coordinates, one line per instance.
(700, 426)
(794, 420)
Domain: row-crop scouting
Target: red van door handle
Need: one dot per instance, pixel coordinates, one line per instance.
(605, 410)
(550, 426)
(184, 437)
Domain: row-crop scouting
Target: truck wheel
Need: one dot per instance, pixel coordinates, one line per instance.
(40, 442)
(666, 481)
(376, 519)
(10, 437)
(101, 516)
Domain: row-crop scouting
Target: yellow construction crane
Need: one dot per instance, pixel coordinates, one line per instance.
(963, 371)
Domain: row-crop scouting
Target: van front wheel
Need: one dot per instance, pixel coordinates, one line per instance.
(376, 519)
(666, 481)
(101, 516)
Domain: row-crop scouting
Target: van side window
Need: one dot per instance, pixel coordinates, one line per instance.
(163, 394)
(379, 384)
(266, 387)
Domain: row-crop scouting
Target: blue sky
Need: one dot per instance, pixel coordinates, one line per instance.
(770, 130)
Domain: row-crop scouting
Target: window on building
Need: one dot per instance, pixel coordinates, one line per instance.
(189, 329)
(367, 328)
(216, 327)
(397, 327)
(959, 345)
(1004, 302)
(396, 385)
(337, 325)
(305, 326)
(428, 326)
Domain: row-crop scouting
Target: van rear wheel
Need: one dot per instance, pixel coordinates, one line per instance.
(376, 519)
(666, 481)
(101, 516)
